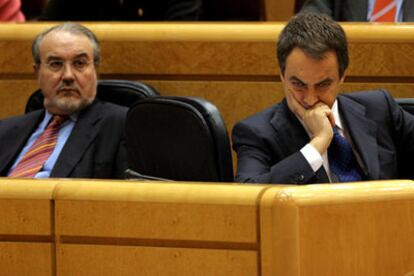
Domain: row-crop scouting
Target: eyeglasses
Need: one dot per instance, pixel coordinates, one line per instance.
(79, 65)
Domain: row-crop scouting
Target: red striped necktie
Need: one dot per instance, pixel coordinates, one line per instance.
(384, 11)
(41, 149)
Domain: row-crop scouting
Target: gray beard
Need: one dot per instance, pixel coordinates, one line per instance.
(68, 105)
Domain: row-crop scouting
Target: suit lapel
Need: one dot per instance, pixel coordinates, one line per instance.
(16, 137)
(291, 135)
(363, 133)
(79, 140)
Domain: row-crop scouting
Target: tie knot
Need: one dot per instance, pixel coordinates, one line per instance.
(57, 120)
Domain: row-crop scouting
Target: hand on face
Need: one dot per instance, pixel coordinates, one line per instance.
(318, 119)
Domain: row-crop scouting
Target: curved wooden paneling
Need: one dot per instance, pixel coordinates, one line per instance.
(343, 229)
(26, 227)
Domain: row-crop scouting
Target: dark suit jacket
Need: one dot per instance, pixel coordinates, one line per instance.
(268, 144)
(134, 10)
(352, 10)
(94, 149)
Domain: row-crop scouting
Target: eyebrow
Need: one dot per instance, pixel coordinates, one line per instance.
(327, 80)
(81, 55)
(293, 78)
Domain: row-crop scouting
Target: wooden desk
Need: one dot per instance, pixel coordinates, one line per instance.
(350, 229)
(26, 227)
(80, 227)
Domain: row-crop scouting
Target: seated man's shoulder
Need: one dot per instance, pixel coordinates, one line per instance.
(261, 124)
(369, 95)
(21, 119)
(266, 115)
(378, 98)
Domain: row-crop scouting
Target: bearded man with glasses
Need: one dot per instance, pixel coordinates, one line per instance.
(75, 135)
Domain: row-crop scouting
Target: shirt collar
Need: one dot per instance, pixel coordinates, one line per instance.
(48, 116)
(335, 112)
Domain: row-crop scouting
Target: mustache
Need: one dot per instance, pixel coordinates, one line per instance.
(64, 86)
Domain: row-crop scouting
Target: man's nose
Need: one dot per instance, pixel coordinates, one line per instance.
(68, 72)
(310, 98)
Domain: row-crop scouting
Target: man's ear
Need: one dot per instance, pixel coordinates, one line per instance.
(342, 79)
(36, 69)
(282, 78)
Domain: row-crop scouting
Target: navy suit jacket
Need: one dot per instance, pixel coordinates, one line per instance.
(94, 149)
(268, 144)
(352, 10)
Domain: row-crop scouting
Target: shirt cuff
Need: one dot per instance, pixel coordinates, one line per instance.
(313, 157)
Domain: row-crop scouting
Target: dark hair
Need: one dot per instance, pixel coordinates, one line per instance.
(70, 27)
(315, 34)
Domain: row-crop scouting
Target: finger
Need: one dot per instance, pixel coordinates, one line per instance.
(328, 112)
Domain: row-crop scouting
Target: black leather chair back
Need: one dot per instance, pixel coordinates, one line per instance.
(178, 138)
(407, 104)
(121, 92)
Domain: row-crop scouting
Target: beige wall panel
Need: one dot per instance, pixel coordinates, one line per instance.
(235, 99)
(398, 90)
(189, 58)
(132, 260)
(20, 258)
(243, 59)
(213, 49)
(15, 56)
(381, 59)
(214, 58)
(14, 95)
(348, 229)
(186, 212)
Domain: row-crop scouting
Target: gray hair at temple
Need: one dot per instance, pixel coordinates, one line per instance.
(315, 34)
(70, 27)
